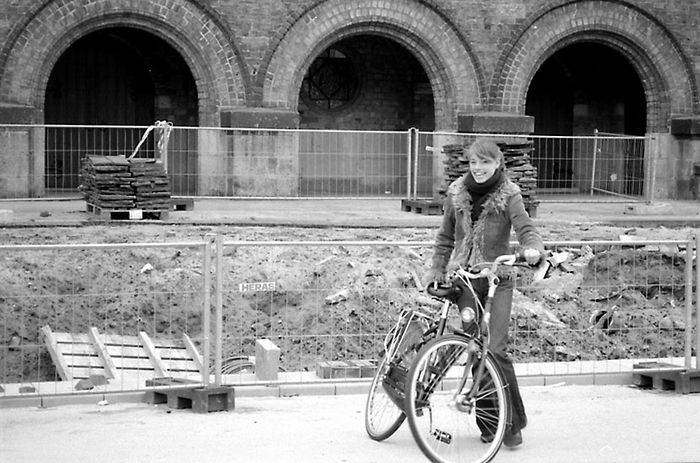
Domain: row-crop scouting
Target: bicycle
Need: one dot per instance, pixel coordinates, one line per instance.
(446, 382)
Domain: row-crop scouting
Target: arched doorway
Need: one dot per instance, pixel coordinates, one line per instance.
(582, 88)
(115, 76)
(366, 83)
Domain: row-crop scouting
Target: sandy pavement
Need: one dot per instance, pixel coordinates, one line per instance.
(567, 424)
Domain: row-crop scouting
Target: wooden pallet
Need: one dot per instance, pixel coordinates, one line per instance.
(422, 207)
(82, 356)
(666, 377)
(127, 214)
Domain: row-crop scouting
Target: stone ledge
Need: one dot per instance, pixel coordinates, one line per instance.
(685, 126)
(11, 114)
(495, 122)
(263, 118)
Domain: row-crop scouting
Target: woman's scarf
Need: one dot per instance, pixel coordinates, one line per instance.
(480, 191)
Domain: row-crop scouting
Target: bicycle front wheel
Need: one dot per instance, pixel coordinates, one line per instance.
(382, 416)
(452, 419)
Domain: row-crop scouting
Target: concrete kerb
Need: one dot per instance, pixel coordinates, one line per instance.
(292, 389)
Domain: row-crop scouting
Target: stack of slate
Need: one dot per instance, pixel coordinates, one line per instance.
(106, 182)
(114, 182)
(150, 184)
(517, 156)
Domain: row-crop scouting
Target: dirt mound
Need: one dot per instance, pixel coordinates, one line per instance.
(331, 302)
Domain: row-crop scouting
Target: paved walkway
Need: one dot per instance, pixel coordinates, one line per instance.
(566, 424)
(350, 213)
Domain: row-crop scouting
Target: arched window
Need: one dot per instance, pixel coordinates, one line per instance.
(331, 81)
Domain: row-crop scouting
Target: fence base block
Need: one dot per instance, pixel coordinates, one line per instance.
(199, 399)
(422, 207)
(679, 380)
(336, 369)
(182, 204)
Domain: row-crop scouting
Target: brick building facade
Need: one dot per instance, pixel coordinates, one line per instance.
(560, 67)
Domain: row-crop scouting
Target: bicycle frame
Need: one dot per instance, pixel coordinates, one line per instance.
(482, 320)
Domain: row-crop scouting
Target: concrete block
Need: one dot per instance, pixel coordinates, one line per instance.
(495, 122)
(685, 126)
(199, 399)
(18, 114)
(260, 118)
(213, 399)
(649, 209)
(334, 369)
(267, 360)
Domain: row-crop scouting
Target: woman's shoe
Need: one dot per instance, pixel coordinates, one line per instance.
(511, 439)
(487, 438)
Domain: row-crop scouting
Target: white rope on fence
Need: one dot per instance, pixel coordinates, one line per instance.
(162, 143)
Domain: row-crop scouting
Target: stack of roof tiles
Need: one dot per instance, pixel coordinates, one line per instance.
(114, 182)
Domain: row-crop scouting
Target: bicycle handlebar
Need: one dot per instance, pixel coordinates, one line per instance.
(452, 291)
(489, 268)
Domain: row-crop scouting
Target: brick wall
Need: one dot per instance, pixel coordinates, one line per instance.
(248, 57)
(478, 54)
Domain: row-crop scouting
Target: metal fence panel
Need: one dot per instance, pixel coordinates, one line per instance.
(55, 297)
(266, 163)
(601, 308)
(570, 168)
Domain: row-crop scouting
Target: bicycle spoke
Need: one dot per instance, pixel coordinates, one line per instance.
(446, 421)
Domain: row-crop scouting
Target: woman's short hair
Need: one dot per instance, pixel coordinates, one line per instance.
(485, 148)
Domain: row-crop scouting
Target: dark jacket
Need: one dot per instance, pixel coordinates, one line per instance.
(461, 242)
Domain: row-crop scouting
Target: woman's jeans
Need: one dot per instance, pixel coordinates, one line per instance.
(498, 326)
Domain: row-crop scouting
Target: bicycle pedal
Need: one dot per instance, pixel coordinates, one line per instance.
(442, 436)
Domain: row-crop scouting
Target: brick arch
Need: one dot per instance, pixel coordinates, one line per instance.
(664, 71)
(203, 41)
(454, 72)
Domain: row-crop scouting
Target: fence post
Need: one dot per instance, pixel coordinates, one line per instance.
(218, 312)
(689, 302)
(595, 155)
(650, 174)
(697, 303)
(415, 144)
(409, 164)
(206, 321)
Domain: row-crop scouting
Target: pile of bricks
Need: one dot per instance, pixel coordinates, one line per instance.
(517, 156)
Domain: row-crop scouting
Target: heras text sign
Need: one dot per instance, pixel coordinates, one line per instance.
(258, 286)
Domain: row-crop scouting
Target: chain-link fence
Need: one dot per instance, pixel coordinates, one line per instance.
(129, 316)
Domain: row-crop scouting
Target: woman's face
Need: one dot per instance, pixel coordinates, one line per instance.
(482, 169)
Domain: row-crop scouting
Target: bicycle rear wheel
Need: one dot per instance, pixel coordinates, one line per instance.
(447, 427)
(382, 416)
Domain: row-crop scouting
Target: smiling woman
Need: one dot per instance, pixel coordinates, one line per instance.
(484, 159)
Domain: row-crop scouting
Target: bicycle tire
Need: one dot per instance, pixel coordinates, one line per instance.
(382, 416)
(446, 430)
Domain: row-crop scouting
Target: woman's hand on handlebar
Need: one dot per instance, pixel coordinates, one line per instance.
(435, 277)
(531, 256)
